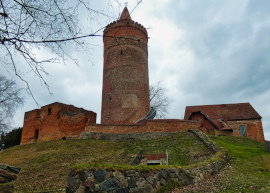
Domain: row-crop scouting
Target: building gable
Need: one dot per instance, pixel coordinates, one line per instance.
(238, 111)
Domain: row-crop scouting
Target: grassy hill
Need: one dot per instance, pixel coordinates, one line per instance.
(45, 165)
(247, 171)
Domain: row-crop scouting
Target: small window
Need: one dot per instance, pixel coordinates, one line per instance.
(121, 52)
(49, 111)
(242, 130)
(36, 135)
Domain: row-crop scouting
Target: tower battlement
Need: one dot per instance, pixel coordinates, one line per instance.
(125, 23)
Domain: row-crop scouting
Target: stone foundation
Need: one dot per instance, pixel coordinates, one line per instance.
(161, 179)
(7, 177)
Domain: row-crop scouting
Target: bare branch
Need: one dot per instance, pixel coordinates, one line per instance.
(26, 25)
(159, 100)
(10, 100)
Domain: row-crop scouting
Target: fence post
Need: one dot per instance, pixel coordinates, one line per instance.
(138, 158)
(166, 157)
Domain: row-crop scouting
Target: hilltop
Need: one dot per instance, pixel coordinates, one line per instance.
(45, 164)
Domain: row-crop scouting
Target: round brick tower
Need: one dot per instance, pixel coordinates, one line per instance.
(125, 93)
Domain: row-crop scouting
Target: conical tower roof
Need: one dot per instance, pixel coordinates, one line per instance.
(125, 14)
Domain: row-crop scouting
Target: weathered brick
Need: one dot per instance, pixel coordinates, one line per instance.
(148, 126)
(125, 94)
(55, 121)
(228, 116)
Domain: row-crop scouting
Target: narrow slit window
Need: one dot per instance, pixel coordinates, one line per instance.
(36, 135)
(121, 52)
(49, 111)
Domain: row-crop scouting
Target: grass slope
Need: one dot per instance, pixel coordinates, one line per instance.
(247, 171)
(44, 165)
(250, 165)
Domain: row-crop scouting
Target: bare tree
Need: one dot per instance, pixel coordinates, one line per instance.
(10, 100)
(158, 99)
(26, 25)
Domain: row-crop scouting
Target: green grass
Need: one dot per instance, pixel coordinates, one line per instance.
(44, 165)
(249, 169)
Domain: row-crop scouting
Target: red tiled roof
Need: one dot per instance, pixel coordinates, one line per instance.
(221, 124)
(238, 111)
(154, 156)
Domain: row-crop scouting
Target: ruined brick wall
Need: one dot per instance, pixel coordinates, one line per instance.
(125, 94)
(148, 126)
(55, 121)
(253, 128)
(30, 126)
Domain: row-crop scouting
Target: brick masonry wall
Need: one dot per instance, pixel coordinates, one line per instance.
(30, 125)
(253, 128)
(206, 126)
(125, 94)
(148, 126)
(55, 121)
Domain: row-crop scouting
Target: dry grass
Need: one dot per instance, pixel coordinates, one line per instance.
(45, 165)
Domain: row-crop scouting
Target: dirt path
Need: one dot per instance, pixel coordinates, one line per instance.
(209, 185)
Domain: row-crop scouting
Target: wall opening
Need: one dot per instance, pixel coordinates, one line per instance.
(49, 111)
(153, 163)
(36, 135)
(242, 130)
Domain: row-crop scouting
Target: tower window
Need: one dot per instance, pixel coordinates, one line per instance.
(49, 111)
(121, 52)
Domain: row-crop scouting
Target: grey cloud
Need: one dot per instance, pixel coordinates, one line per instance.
(229, 42)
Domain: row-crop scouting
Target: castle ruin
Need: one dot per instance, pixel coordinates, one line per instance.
(125, 99)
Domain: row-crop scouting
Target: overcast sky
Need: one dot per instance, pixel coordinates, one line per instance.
(205, 52)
